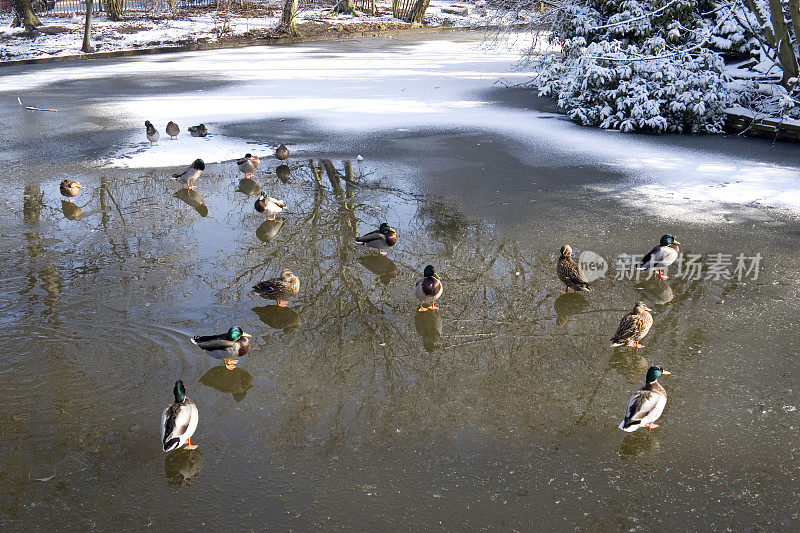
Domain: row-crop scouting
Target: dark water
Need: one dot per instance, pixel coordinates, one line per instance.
(352, 410)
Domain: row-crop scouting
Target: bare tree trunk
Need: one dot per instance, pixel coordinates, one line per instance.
(776, 34)
(288, 18)
(784, 46)
(24, 15)
(87, 29)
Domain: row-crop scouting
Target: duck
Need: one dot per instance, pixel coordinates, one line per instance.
(248, 164)
(230, 346)
(428, 289)
(198, 131)
(269, 205)
(152, 133)
(191, 173)
(282, 153)
(661, 256)
(381, 239)
(633, 327)
(70, 188)
(172, 130)
(279, 289)
(647, 403)
(569, 272)
(179, 421)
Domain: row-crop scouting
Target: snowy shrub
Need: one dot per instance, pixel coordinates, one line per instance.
(636, 65)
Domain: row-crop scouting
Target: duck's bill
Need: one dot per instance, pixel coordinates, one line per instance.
(666, 372)
(437, 276)
(246, 335)
(648, 309)
(675, 241)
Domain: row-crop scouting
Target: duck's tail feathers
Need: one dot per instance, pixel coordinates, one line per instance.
(194, 340)
(615, 343)
(171, 444)
(631, 427)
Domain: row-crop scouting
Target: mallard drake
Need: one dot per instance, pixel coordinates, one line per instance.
(661, 256)
(198, 131)
(70, 188)
(569, 272)
(279, 289)
(428, 289)
(647, 403)
(381, 239)
(269, 205)
(179, 421)
(633, 327)
(282, 153)
(152, 133)
(230, 346)
(191, 173)
(172, 130)
(248, 164)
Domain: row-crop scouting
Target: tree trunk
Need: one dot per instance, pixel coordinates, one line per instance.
(87, 29)
(784, 45)
(288, 18)
(24, 15)
(418, 12)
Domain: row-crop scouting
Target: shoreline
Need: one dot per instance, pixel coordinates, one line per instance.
(245, 41)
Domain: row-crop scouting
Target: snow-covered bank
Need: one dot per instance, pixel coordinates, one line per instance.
(62, 36)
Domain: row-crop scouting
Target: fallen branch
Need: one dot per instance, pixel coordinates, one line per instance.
(33, 108)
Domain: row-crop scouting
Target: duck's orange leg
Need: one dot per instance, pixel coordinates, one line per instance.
(283, 303)
(189, 445)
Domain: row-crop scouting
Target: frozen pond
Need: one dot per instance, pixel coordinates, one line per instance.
(352, 410)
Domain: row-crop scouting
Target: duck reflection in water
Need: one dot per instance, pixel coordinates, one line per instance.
(283, 172)
(193, 199)
(269, 229)
(638, 444)
(657, 290)
(381, 266)
(429, 328)
(629, 363)
(71, 211)
(569, 304)
(182, 466)
(277, 317)
(235, 382)
(249, 187)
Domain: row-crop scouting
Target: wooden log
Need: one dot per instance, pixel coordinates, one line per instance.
(348, 172)
(316, 172)
(333, 176)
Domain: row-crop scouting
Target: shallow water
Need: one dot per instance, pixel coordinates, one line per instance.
(352, 410)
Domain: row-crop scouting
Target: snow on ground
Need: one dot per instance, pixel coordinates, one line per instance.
(63, 35)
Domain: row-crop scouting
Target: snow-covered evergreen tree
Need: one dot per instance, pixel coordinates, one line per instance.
(636, 65)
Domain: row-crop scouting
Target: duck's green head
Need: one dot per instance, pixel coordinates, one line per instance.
(179, 391)
(198, 164)
(654, 372)
(263, 195)
(148, 124)
(246, 156)
(235, 333)
(386, 228)
(429, 272)
(668, 240)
